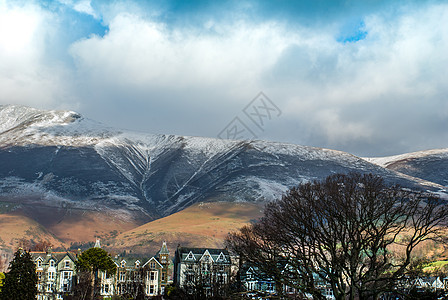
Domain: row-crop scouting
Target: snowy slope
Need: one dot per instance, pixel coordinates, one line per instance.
(430, 165)
(61, 158)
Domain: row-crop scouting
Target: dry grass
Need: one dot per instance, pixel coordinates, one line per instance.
(15, 227)
(86, 226)
(201, 225)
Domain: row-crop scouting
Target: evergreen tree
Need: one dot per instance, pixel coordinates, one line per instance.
(21, 281)
(91, 262)
(2, 277)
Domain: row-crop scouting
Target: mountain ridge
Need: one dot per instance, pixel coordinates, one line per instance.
(67, 163)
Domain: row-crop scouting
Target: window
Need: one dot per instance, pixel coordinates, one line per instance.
(220, 278)
(123, 264)
(39, 276)
(152, 265)
(67, 264)
(51, 275)
(190, 256)
(39, 263)
(122, 276)
(153, 275)
(137, 264)
(190, 266)
(51, 263)
(66, 275)
(106, 288)
(50, 287)
(163, 276)
(65, 287)
(151, 289)
(221, 257)
(205, 267)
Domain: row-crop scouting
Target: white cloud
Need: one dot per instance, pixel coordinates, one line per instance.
(25, 77)
(84, 6)
(343, 95)
(145, 54)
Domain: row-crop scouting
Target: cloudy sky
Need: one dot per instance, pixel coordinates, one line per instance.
(366, 77)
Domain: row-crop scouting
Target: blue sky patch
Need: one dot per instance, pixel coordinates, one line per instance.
(352, 32)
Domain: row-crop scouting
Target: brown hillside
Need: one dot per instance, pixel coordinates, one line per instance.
(60, 226)
(201, 225)
(20, 231)
(78, 226)
(14, 227)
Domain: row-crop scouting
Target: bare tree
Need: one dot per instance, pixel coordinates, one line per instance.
(2, 263)
(206, 281)
(339, 234)
(82, 286)
(41, 246)
(134, 288)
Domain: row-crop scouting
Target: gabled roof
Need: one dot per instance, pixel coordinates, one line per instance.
(130, 261)
(255, 272)
(207, 256)
(190, 256)
(153, 259)
(56, 256)
(221, 257)
(184, 254)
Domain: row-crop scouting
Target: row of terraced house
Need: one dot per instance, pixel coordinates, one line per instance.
(211, 269)
(57, 272)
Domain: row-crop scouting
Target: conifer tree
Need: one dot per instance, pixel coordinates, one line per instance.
(92, 261)
(21, 280)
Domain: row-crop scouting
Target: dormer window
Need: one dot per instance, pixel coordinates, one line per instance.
(123, 263)
(221, 257)
(137, 264)
(190, 256)
(51, 263)
(39, 263)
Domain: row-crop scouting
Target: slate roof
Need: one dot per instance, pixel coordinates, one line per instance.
(184, 254)
(130, 261)
(164, 249)
(56, 256)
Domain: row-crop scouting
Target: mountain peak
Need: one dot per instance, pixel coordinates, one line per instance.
(23, 125)
(19, 117)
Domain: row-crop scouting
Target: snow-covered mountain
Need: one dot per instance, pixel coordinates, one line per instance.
(431, 165)
(60, 159)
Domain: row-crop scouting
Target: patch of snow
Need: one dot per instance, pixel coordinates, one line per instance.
(388, 160)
